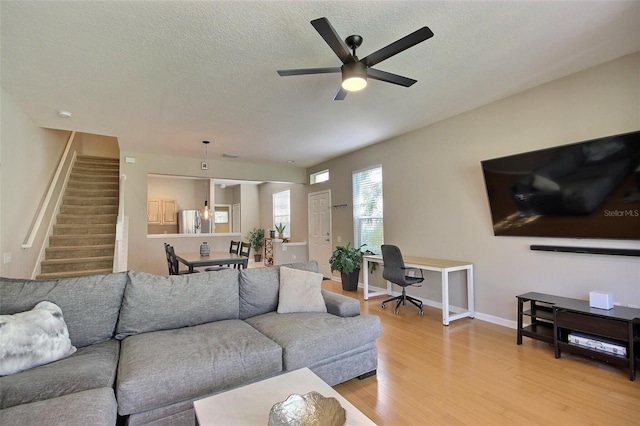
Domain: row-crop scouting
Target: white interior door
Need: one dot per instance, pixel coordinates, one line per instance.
(320, 248)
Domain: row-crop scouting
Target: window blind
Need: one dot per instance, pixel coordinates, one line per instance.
(367, 209)
(282, 211)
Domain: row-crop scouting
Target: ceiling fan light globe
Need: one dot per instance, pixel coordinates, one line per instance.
(354, 76)
(354, 84)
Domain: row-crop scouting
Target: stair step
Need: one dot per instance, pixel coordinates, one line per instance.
(92, 192)
(88, 210)
(71, 200)
(76, 264)
(86, 219)
(115, 160)
(73, 274)
(95, 170)
(79, 251)
(81, 240)
(90, 229)
(90, 177)
(82, 184)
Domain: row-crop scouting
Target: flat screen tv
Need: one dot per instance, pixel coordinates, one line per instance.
(589, 189)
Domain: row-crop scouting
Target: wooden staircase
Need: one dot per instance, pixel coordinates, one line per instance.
(83, 238)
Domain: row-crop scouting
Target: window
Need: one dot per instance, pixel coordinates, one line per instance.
(282, 211)
(367, 209)
(318, 177)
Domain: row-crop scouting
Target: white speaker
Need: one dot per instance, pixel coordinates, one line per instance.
(600, 299)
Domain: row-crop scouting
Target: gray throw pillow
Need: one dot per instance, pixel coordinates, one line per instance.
(32, 338)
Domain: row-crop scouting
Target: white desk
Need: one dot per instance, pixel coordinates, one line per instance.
(436, 265)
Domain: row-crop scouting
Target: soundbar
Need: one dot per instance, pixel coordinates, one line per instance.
(588, 250)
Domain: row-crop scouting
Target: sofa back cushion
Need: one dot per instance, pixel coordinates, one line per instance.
(259, 288)
(153, 303)
(90, 305)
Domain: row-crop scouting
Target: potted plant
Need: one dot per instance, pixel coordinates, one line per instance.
(348, 261)
(280, 229)
(256, 239)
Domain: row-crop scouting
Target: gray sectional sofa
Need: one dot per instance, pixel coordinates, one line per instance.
(148, 346)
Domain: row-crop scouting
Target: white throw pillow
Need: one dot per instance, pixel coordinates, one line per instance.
(33, 338)
(300, 291)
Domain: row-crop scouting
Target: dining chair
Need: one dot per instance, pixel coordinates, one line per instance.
(172, 261)
(234, 248)
(245, 249)
(394, 271)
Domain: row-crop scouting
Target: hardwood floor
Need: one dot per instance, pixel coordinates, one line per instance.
(473, 373)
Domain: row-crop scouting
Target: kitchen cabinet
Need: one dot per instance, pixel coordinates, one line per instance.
(161, 212)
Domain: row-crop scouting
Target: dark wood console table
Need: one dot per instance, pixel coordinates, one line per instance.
(552, 318)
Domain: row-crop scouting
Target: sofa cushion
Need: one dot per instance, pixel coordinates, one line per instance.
(307, 338)
(259, 288)
(94, 407)
(300, 291)
(90, 367)
(90, 304)
(258, 291)
(153, 303)
(32, 338)
(163, 367)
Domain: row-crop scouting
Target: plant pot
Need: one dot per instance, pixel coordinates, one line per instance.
(257, 257)
(350, 281)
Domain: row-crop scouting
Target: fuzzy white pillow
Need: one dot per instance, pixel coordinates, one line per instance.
(300, 291)
(33, 338)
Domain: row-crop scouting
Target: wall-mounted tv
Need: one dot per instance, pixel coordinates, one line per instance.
(589, 189)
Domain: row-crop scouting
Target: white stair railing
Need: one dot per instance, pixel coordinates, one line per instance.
(59, 184)
(122, 232)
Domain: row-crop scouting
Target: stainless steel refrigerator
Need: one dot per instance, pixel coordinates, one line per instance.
(190, 222)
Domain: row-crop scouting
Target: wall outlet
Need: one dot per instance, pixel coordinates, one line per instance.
(339, 238)
(6, 257)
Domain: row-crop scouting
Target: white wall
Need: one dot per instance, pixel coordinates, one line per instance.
(147, 253)
(435, 203)
(29, 156)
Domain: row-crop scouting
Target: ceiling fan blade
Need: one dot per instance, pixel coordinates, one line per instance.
(398, 46)
(340, 95)
(305, 71)
(326, 31)
(390, 78)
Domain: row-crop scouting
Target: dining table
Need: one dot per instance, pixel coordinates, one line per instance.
(215, 258)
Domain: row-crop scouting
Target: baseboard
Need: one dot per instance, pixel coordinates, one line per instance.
(438, 305)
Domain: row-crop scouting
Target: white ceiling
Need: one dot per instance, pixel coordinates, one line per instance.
(162, 76)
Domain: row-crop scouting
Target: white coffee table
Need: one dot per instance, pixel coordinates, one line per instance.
(250, 405)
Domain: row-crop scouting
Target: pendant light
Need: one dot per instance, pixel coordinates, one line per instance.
(205, 213)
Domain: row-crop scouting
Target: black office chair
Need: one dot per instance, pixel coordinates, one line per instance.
(234, 248)
(172, 261)
(395, 272)
(245, 249)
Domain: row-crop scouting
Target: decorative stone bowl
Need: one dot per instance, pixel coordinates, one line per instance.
(311, 409)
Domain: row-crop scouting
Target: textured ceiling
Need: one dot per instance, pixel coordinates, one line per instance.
(162, 76)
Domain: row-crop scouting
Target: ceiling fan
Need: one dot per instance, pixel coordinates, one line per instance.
(355, 71)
